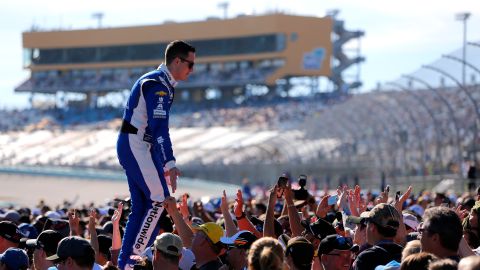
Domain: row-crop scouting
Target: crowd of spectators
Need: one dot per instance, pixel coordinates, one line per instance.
(115, 79)
(282, 228)
(278, 115)
(264, 115)
(418, 123)
(412, 137)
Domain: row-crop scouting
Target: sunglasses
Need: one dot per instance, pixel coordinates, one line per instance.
(190, 63)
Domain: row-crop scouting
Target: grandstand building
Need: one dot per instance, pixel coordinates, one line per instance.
(247, 55)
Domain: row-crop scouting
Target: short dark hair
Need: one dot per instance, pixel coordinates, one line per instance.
(418, 261)
(177, 48)
(446, 223)
(87, 261)
(171, 258)
(386, 231)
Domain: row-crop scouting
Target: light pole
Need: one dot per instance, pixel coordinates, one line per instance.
(463, 16)
(224, 6)
(98, 16)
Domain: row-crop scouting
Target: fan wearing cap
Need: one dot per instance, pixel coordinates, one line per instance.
(10, 235)
(299, 254)
(383, 222)
(316, 231)
(168, 251)
(335, 252)
(28, 231)
(11, 215)
(238, 246)
(14, 259)
(45, 246)
(206, 245)
(73, 252)
(360, 232)
(411, 222)
(204, 240)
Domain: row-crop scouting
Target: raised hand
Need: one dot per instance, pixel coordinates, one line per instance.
(224, 203)
(117, 215)
(353, 203)
(238, 208)
(116, 237)
(342, 196)
(383, 197)
(74, 222)
(92, 220)
(184, 207)
(322, 208)
(399, 203)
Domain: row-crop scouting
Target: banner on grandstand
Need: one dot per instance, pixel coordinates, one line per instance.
(313, 60)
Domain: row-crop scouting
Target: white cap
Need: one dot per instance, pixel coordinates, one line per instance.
(411, 221)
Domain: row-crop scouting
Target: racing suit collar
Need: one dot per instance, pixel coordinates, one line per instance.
(169, 76)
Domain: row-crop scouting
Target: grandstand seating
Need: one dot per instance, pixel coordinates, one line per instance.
(369, 124)
(96, 148)
(120, 79)
(412, 132)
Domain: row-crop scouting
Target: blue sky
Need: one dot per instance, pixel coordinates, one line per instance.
(400, 35)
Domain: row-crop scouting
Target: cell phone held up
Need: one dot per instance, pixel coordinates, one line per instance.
(281, 185)
(282, 182)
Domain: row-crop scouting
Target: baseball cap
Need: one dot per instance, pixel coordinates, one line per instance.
(197, 220)
(10, 231)
(384, 215)
(47, 240)
(28, 230)
(59, 225)
(358, 220)
(72, 246)
(169, 243)
(417, 209)
(332, 242)
(211, 229)
(301, 251)
(53, 215)
(14, 258)
(410, 220)
(320, 228)
(107, 228)
(10, 215)
(242, 239)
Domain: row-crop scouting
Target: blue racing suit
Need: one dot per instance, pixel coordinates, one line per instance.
(144, 149)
